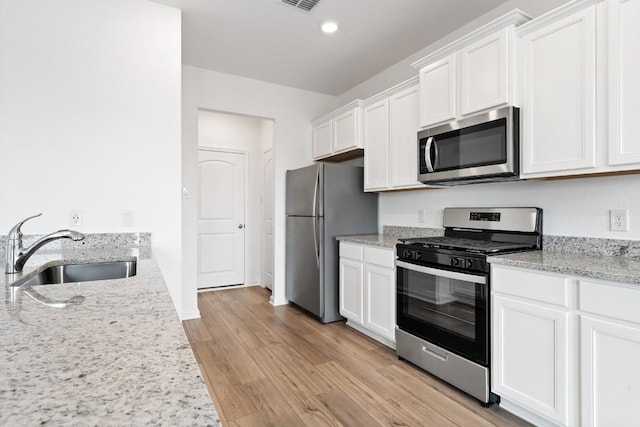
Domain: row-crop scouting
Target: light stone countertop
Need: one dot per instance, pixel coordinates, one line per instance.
(390, 236)
(116, 356)
(379, 240)
(613, 260)
(612, 268)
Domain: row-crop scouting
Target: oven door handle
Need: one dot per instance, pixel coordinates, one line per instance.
(443, 273)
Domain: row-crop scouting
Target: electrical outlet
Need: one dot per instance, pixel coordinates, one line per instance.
(420, 215)
(128, 218)
(75, 217)
(619, 219)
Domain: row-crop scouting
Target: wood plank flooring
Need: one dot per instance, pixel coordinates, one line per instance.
(276, 366)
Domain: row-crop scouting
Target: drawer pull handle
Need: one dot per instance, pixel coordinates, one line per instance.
(434, 354)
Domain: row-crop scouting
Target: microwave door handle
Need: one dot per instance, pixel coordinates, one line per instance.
(434, 145)
(427, 154)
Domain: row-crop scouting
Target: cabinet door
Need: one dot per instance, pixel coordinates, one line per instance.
(558, 96)
(438, 92)
(530, 356)
(484, 73)
(376, 145)
(346, 131)
(403, 139)
(380, 301)
(322, 140)
(351, 284)
(624, 88)
(610, 374)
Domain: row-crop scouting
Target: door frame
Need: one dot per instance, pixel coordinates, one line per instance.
(246, 154)
(262, 217)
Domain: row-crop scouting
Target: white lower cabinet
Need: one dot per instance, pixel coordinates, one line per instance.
(610, 373)
(380, 300)
(610, 353)
(368, 290)
(565, 350)
(532, 344)
(351, 294)
(530, 356)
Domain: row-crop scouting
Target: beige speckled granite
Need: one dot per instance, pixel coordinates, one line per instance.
(616, 269)
(400, 231)
(371, 240)
(91, 241)
(591, 246)
(117, 355)
(390, 236)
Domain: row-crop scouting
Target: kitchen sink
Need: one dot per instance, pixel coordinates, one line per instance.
(67, 273)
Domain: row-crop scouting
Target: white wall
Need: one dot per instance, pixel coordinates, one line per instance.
(292, 111)
(230, 131)
(90, 119)
(572, 207)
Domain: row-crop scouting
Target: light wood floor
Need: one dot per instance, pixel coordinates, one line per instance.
(275, 366)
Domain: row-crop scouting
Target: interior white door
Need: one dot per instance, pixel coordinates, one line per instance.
(267, 205)
(221, 197)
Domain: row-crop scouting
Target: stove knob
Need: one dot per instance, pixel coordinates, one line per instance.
(455, 261)
(417, 255)
(468, 263)
(405, 253)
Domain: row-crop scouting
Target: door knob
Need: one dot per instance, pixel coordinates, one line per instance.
(240, 225)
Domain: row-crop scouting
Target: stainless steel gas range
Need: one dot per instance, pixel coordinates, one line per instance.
(443, 292)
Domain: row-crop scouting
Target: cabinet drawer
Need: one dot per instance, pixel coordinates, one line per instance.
(543, 287)
(610, 300)
(349, 250)
(378, 256)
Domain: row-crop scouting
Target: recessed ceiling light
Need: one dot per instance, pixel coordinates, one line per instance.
(329, 27)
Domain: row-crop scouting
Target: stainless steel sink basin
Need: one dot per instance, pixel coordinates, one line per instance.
(67, 273)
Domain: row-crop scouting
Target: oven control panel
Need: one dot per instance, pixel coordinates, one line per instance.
(445, 258)
(415, 255)
(461, 262)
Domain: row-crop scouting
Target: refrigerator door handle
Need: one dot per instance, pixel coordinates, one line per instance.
(315, 240)
(314, 211)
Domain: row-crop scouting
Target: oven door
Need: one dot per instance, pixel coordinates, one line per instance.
(447, 308)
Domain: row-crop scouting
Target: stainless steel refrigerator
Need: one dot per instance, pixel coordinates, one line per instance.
(323, 201)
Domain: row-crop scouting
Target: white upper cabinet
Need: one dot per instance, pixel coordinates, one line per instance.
(390, 127)
(376, 145)
(485, 73)
(322, 140)
(438, 92)
(338, 132)
(470, 75)
(403, 139)
(558, 91)
(624, 83)
(347, 131)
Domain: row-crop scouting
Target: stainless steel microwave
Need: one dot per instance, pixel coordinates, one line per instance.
(481, 148)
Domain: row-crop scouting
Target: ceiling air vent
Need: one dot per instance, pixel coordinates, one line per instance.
(302, 4)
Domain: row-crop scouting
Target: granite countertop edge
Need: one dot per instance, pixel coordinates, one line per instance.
(379, 240)
(608, 268)
(116, 354)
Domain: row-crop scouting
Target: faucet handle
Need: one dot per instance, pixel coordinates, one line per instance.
(15, 232)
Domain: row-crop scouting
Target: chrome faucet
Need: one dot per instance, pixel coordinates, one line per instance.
(16, 255)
